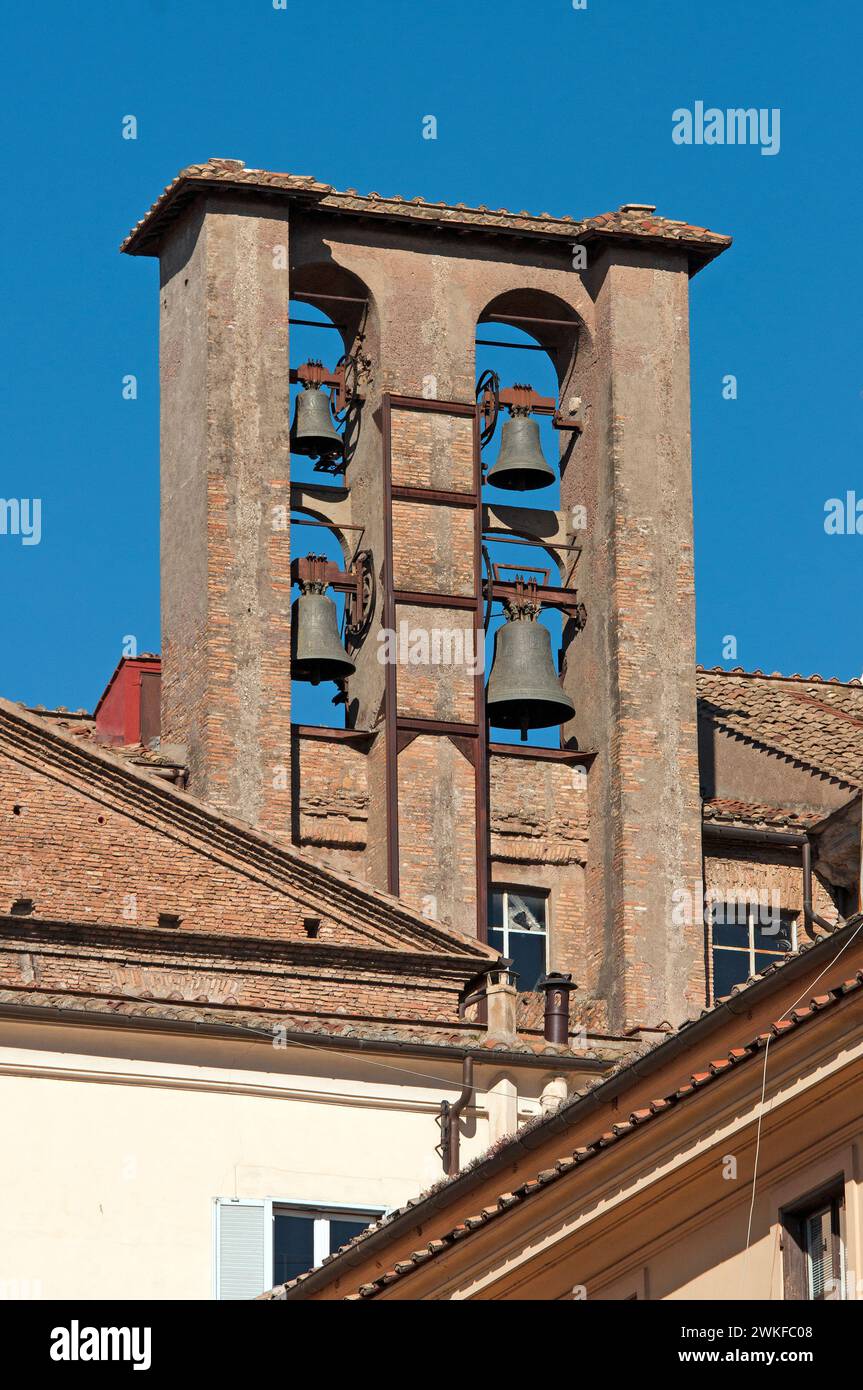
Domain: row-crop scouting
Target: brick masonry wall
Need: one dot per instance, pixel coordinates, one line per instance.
(128, 965)
(332, 802)
(437, 836)
(226, 587)
(431, 450)
(433, 548)
(442, 688)
(540, 839)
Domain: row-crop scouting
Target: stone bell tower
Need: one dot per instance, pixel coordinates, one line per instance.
(414, 796)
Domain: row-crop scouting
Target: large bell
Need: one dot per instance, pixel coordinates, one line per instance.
(317, 653)
(313, 432)
(523, 689)
(520, 464)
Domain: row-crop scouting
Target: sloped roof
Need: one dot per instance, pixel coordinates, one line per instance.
(632, 222)
(344, 1034)
(711, 1071)
(81, 726)
(383, 919)
(755, 815)
(817, 723)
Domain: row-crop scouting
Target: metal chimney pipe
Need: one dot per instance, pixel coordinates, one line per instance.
(557, 989)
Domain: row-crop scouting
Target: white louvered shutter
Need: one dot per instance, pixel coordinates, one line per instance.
(241, 1249)
(820, 1251)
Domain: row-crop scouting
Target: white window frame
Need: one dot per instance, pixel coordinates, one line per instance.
(505, 890)
(286, 1205)
(750, 949)
(325, 1213)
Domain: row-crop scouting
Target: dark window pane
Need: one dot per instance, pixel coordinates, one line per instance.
(293, 1246)
(765, 958)
(730, 968)
(495, 940)
(343, 1231)
(776, 935)
(495, 915)
(527, 911)
(528, 955)
(730, 924)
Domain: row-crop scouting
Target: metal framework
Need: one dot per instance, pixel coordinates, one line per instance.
(470, 738)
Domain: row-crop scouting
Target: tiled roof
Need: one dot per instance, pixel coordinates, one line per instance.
(619, 1073)
(347, 900)
(815, 722)
(632, 222)
(392, 1034)
(722, 811)
(81, 726)
(712, 1071)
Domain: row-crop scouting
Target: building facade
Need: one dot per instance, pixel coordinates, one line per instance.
(271, 980)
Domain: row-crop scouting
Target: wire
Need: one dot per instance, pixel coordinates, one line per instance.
(761, 1108)
(386, 1066)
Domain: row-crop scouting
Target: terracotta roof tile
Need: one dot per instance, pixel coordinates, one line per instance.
(528, 1189)
(628, 223)
(815, 722)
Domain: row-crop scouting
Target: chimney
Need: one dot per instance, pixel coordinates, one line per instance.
(557, 989)
(501, 997)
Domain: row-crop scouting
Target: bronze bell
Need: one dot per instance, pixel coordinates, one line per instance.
(524, 691)
(520, 464)
(313, 432)
(317, 653)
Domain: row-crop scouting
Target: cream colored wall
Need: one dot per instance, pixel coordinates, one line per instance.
(115, 1145)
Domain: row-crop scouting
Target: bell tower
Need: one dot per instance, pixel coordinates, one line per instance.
(573, 851)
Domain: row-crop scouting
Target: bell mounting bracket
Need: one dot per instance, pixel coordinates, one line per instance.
(343, 382)
(520, 399)
(519, 593)
(315, 573)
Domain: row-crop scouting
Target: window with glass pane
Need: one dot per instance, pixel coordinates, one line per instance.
(518, 928)
(814, 1248)
(747, 937)
(303, 1237)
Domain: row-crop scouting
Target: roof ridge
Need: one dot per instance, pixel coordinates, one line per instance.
(855, 681)
(630, 220)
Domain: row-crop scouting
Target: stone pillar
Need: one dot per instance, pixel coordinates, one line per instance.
(225, 567)
(636, 656)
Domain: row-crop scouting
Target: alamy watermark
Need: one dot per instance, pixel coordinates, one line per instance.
(734, 126)
(21, 516)
(434, 646)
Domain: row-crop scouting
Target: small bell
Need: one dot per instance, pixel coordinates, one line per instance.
(317, 653)
(524, 691)
(313, 432)
(520, 464)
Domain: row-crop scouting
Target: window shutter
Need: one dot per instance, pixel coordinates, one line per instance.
(241, 1249)
(819, 1249)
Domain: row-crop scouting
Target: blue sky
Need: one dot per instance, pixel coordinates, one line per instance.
(539, 106)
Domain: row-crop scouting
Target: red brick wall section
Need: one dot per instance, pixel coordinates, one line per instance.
(433, 548)
(432, 450)
(332, 802)
(123, 964)
(539, 839)
(437, 840)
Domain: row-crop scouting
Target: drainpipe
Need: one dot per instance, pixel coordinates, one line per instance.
(810, 916)
(791, 839)
(450, 1115)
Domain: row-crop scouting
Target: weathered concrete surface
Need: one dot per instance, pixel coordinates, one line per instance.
(225, 466)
